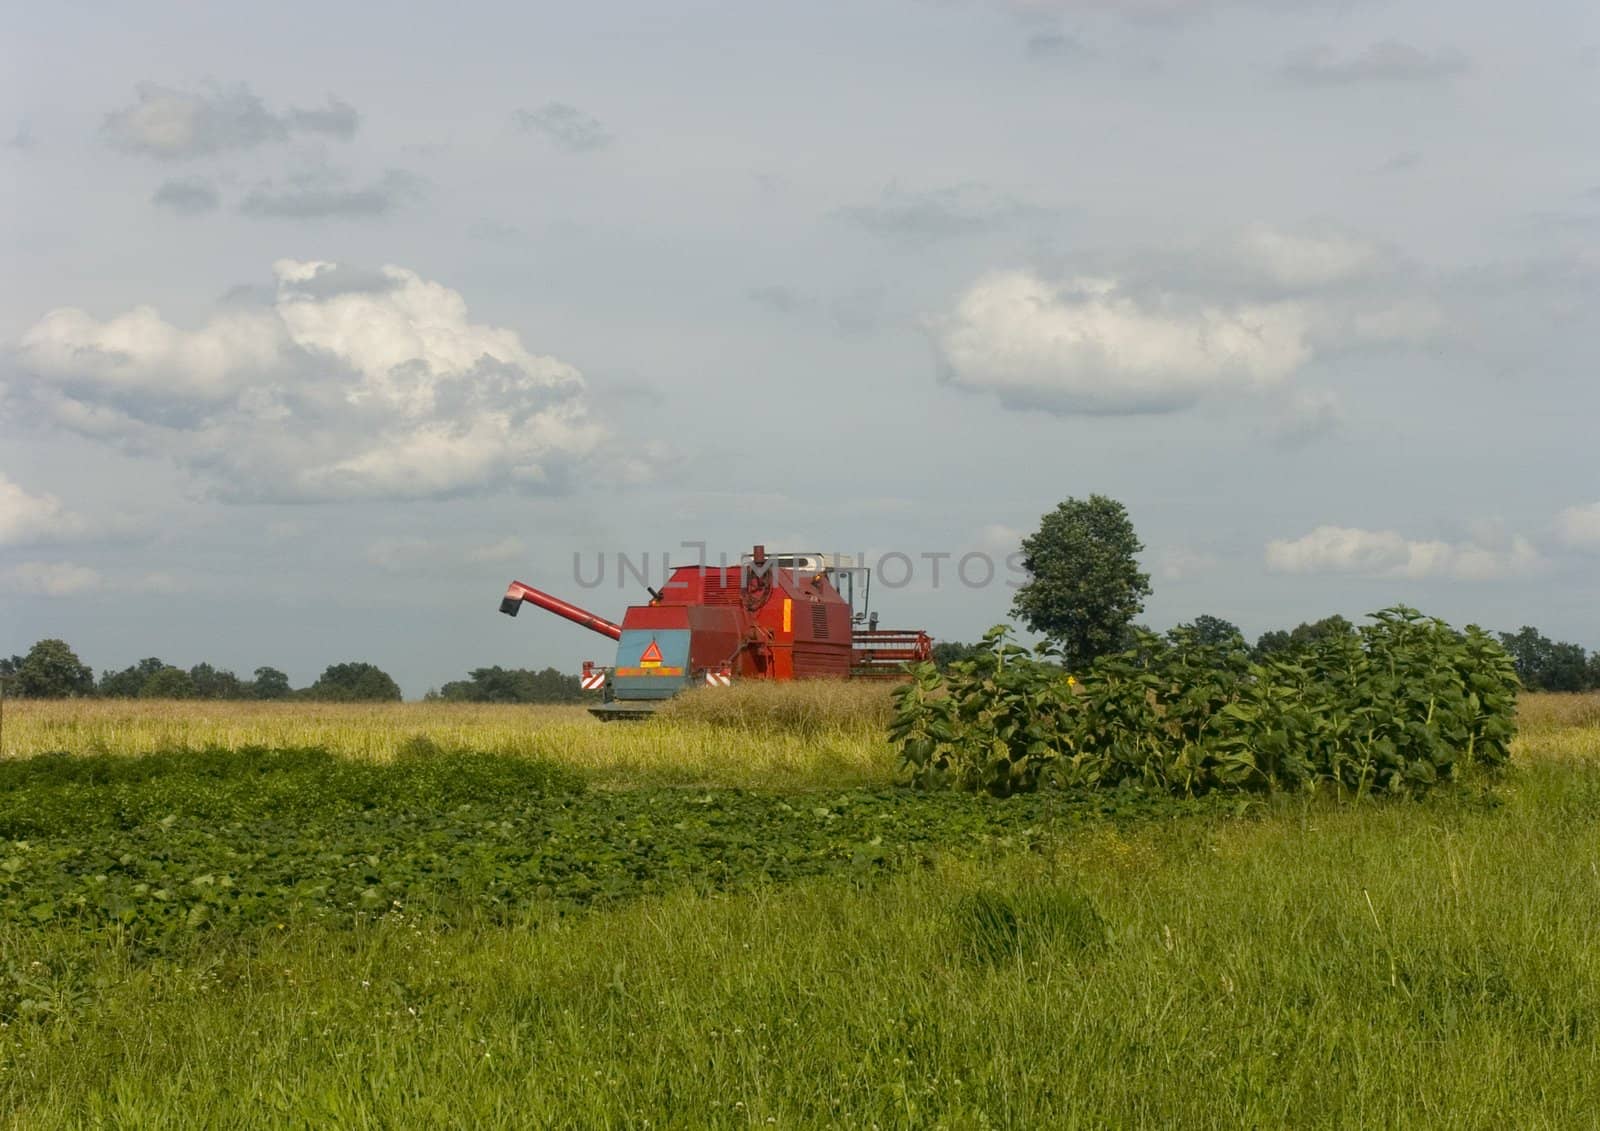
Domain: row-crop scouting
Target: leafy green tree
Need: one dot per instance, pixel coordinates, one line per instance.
(1544, 665)
(354, 682)
(1530, 652)
(270, 683)
(947, 652)
(1592, 673)
(513, 685)
(214, 683)
(1273, 643)
(1213, 632)
(52, 670)
(129, 682)
(1304, 635)
(1567, 669)
(1317, 631)
(1084, 584)
(168, 683)
(10, 667)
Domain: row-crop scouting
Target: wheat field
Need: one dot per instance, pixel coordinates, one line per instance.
(751, 736)
(770, 735)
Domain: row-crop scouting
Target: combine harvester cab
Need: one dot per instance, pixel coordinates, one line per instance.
(778, 617)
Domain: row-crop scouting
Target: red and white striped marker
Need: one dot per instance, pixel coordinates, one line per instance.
(592, 681)
(719, 679)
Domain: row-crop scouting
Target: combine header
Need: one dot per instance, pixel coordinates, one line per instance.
(785, 616)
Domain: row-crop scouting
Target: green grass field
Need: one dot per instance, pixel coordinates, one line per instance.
(400, 935)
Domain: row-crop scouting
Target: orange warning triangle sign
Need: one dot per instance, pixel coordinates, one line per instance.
(651, 655)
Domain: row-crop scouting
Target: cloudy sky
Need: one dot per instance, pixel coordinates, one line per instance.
(319, 325)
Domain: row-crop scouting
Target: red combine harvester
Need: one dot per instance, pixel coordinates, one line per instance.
(784, 616)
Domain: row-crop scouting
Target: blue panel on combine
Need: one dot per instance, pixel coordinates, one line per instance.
(652, 663)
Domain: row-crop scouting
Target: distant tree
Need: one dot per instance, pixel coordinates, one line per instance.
(1592, 672)
(1320, 630)
(1273, 643)
(270, 683)
(948, 652)
(168, 683)
(1278, 642)
(1214, 632)
(1544, 665)
(1529, 650)
(1084, 584)
(10, 666)
(212, 683)
(52, 670)
(127, 683)
(354, 682)
(1568, 668)
(513, 685)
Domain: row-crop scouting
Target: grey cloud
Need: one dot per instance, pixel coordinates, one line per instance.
(1388, 61)
(568, 127)
(187, 196)
(778, 298)
(172, 124)
(323, 195)
(338, 118)
(1155, 12)
(496, 232)
(23, 139)
(913, 217)
(858, 314)
(854, 315)
(338, 279)
(1304, 415)
(1055, 47)
(1402, 162)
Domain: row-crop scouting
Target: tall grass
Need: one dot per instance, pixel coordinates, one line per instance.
(774, 736)
(752, 735)
(1376, 965)
(810, 707)
(1372, 964)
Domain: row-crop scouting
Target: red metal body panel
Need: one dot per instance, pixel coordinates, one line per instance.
(518, 593)
(886, 651)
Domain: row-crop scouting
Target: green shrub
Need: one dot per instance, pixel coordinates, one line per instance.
(1394, 707)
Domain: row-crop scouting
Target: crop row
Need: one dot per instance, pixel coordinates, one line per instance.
(157, 848)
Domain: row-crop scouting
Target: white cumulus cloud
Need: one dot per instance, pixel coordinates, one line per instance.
(1306, 259)
(140, 353)
(1385, 553)
(347, 385)
(26, 518)
(1088, 346)
(1579, 526)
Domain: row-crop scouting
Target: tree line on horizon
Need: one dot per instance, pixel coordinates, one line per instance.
(52, 670)
(1085, 588)
(1542, 664)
